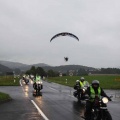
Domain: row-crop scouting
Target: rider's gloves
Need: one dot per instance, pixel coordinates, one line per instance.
(109, 99)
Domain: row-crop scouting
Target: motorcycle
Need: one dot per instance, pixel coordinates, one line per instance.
(26, 81)
(80, 93)
(38, 86)
(99, 109)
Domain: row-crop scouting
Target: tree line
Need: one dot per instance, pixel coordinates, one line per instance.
(51, 73)
(108, 71)
(39, 70)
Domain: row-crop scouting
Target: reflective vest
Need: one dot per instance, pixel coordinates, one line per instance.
(82, 83)
(92, 93)
(38, 78)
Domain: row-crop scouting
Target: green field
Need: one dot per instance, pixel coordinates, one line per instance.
(106, 82)
(9, 81)
(4, 96)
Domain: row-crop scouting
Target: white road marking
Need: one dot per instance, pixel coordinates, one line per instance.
(39, 110)
(53, 89)
(20, 82)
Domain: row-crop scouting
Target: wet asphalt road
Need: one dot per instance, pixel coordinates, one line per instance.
(56, 103)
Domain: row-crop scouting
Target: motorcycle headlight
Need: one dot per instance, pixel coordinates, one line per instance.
(41, 82)
(83, 90)
(38, 82)
(105, 100)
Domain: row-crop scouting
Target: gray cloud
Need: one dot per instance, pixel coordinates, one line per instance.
(26, 27)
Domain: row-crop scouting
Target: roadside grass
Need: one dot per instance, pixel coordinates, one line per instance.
(9, 81)
(106, 82)
(4, 97)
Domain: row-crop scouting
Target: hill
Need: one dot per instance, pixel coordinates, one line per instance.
(66, 68)
(63, 68)
(24, 68)
(46, 67)
(4, 69)
(12, 65)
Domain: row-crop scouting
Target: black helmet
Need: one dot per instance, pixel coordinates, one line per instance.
(95, 83)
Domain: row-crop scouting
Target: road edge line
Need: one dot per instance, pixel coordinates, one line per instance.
(20, 82)
(39, 110)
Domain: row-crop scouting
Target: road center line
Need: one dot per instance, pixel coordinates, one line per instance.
(39, 110)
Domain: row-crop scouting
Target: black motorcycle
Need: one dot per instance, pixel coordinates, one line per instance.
(38, 86)
(26, 81)
(80, 93)
(99, 110)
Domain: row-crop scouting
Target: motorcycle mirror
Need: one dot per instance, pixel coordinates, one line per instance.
(111, 96)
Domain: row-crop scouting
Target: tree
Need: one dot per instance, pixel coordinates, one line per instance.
(31, 71)
(40, 71)
(52, 73)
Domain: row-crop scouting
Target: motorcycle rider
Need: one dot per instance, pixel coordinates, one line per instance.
(26, 79)
(93, 91)
(37, 78)
(78, 86)
(83, 82)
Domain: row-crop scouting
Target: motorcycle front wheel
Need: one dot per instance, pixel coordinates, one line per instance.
(107, 116)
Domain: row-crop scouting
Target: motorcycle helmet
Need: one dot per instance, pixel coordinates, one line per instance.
(95, 83)
(77, 82)
(82, 79)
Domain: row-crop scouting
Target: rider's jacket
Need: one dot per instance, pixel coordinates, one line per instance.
(95, 92)
(38, 78)
(82, 84)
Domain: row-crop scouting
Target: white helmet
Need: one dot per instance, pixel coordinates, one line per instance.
(77, 82)
(82, 78)
(95, 82)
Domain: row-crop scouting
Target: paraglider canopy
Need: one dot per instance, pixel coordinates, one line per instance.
(65, 34)
(66, 59)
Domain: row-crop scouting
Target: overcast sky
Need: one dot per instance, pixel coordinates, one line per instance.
(26, 27)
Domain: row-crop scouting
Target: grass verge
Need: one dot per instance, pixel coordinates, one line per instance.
(106, 82)
(4, 97)
(9, 81)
